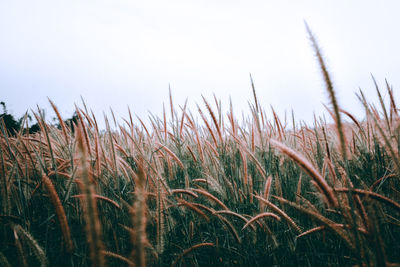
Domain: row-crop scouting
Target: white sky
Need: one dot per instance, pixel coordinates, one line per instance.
(117, 53)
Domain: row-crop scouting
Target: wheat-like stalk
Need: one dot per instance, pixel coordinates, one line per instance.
(62, 218)
(331, 91)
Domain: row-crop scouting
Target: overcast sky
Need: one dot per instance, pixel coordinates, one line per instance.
(117, 53)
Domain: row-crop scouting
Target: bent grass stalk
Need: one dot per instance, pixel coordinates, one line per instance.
(187, 251)
(309, 169)
(260, 216)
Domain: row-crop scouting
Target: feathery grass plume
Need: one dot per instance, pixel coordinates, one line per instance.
(280, 212)
(43, 125)
(331, 168)
(258, 165)
(165, 124)
(192, 153)
(253, 147)
(393, 106)
(93, 226)
(171, 103)
(84, 131)
(184, 191)
(33, 245)
(322, 227)
(200, 180)
(219, 109)
(60, 120)
(172, 154)
(161, 217)
(388, 145)
(111, 148)
(254, 94)
(382, 103)
(192, 206)
(331, 91)
(267, 191)
(298, 191)
(251, 189)
(278, 123)
(204, 207)
(94, 122)
(373, 195)
(229, 212)
(208, 126)
(214, 119)
(194, 128)
(144, 126)
(232, 119)
(309, 169)
(97, 148)
(348, 114)
(183, 118)
(211, 197)
(256, 113)
(245, 173)
(89, 121)
(27, 146)
(185, 252)
(62, 218)
(139, 217)
(113, 116)
(212, 148)
(312, 230)
(259, 216)
(294, 128)
(106, 199)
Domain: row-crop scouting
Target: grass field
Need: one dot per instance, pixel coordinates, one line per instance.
(202, 189)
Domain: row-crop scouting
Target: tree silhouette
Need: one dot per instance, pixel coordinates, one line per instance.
(11, 124)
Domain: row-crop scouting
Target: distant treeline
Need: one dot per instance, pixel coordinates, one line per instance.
(13, 125)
